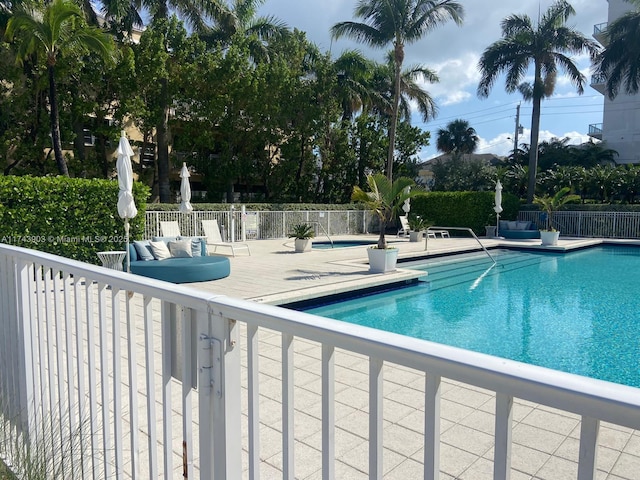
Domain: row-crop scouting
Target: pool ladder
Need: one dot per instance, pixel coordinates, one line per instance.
(314, 222)
(463, 229)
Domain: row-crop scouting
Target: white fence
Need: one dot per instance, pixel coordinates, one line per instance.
(159, 380)
(263, 225)
(240, 224)
(591, 224)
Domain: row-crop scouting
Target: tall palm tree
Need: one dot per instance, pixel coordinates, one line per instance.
(546, 46)
(457, 139)
(620, 60)
(397, 22)
(55, 30)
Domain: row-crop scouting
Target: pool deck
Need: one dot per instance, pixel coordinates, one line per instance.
(545, 441)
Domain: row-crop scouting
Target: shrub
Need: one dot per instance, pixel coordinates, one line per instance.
(463, 209)
(71, 217)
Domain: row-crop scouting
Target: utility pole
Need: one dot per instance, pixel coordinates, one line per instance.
(518, 130)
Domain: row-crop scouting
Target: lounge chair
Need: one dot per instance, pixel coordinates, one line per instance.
(214, 239)
(169, 229)
(404, 226)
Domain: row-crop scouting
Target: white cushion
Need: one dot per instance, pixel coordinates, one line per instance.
(181, 249)
(160, 250)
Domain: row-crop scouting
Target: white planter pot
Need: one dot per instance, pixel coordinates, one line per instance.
(415, 236)
(303, 244)
(549, 238)
(382, 260)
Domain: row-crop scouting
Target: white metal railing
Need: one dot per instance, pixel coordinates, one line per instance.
(136, 359)
(277, 224)
(590, 224)
(239, 223)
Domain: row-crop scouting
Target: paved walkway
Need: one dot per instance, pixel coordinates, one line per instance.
(545, 441)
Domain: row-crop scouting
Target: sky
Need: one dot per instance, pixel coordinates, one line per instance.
(453, 52)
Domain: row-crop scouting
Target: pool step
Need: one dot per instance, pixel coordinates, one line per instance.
(443, 274)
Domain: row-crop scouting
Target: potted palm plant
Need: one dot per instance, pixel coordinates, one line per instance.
(303, 233)
(418, 225)
(550, 204)
(384, 199)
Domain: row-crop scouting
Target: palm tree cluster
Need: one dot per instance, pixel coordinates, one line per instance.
(217, 85)
(251, 103)
(547, 46)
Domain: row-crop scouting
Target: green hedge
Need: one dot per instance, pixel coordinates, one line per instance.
(71, 217)
(464, 209)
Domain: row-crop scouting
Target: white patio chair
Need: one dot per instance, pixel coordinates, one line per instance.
(169, 229)
(214, 239)
(404, 226)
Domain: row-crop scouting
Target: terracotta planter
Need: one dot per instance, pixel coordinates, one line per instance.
(549, 238)
(382, 260)
(303, 244)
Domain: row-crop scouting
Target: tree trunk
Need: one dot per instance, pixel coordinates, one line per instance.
(393, 122)
(78, 142)
(535, 133)
(162, 134)
(55, 124)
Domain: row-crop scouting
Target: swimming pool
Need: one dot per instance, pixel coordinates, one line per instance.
(576, 312)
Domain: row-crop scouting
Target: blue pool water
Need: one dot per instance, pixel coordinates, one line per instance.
(577, 312)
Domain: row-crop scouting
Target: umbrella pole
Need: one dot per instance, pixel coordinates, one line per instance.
(497, 224)
(126, 245)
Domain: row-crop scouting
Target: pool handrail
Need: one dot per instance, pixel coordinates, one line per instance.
(464, 229)
(314, 222)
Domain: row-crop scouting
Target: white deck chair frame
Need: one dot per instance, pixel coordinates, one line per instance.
(404, 226)
(214, 239)
(170, 229)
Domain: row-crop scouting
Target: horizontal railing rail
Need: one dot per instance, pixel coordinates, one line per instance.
(159, 373)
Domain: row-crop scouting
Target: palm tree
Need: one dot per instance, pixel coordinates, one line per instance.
(397, 22)
(546, 46)
(457, 139)
(620, 60)
(385, 199)
(57, 29)
(241, 20)
(411, 90)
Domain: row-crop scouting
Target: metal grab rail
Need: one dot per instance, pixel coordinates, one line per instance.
(323, 230)
(464, 229)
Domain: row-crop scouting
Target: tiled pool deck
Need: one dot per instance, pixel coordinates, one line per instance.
(545, 441)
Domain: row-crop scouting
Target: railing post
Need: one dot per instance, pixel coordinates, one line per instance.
(25, 367)
(587, 456)
(219, 397)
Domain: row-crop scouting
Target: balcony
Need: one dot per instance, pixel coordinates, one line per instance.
(599, 83)
(600, 33)
(595, 131)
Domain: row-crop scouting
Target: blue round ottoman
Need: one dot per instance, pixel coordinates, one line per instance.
(184, 270)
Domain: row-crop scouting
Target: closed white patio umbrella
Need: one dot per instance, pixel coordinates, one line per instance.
(185, 190)
(126, 204)
(498, 206)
